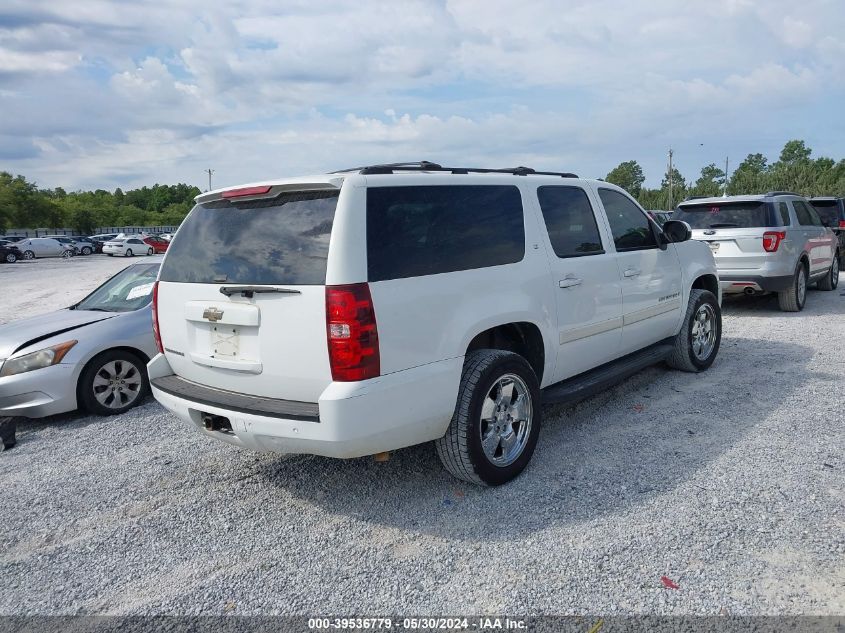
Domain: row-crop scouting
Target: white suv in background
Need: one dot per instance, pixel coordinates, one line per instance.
(367, 310)
(775, 242)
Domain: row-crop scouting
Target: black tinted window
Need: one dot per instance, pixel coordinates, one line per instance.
(415, 231)
(282, 240)
(784, 214)
(802, 212)
(725, 215)
(570, 221)
(828, 211)
(630, 227)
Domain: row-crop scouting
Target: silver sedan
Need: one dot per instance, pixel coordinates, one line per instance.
(92, 355)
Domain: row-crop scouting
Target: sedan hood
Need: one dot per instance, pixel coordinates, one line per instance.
(19, 334)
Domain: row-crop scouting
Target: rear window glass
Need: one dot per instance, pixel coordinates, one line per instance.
(415, 231)
(282, 240)
(828, 210)
(733, 215)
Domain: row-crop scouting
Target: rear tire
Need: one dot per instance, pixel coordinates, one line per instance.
(697, 344)
(793, 298)
(113, 382)
(496, 423)
(831, 279)
(11, 258)
(128, 252)
(149, 251)
(86, 251)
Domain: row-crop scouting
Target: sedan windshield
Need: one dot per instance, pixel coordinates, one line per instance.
(128, 290)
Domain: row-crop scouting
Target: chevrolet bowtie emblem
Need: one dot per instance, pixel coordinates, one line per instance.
(212, 314)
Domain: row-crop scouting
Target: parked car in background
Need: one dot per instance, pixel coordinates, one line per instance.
(158, 244)
(832, 212)
(100, 239)
(166, 236)
(85, 245)
(319, 337)
(33, 247)
(766, 243)
(9, 253)
(69, 242)
(91, 355)
(127, 247)
(14, 238)
(661, 217)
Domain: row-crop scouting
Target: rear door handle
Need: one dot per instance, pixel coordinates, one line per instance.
(632, 272)
(570, 281)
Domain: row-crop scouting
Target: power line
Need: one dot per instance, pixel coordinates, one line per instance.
(209, 172)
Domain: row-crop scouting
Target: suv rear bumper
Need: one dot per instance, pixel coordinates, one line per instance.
(738, 283)
(352, 419)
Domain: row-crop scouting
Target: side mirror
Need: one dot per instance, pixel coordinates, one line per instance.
(677, 231)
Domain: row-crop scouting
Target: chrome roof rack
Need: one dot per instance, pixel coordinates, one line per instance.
(424, 165)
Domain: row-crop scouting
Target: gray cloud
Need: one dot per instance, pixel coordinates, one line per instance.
(99, 93)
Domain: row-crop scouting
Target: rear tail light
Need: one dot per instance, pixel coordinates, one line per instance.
(352, 333)
(772, 239)
(156, 332)
(842, 224)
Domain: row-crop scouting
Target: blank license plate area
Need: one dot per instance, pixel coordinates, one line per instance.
(714, 246)
(225, 341)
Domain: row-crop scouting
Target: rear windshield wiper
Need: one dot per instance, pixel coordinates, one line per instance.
(248, 291)
(723, 225)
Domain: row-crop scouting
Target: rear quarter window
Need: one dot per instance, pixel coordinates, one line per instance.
(426, 230)
(281, 240)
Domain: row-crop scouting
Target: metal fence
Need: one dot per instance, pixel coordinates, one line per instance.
(97, 231)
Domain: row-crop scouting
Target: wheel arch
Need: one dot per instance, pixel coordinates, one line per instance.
(82, 366)
(707, 281)
(521, 337)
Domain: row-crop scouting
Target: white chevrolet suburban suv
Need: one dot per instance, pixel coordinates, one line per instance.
(363, 311)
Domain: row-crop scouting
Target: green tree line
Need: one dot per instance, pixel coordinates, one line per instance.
(795, 170)
(24, 205)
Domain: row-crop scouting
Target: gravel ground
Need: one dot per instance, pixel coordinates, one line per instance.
(729, 483)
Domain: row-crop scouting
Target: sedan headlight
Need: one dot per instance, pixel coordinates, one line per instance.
(36, 360)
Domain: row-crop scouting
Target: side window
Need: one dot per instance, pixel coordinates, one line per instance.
(802, 212)
(784, 213)
(630, 227)
(570, 221)
(426, 230)
(814, 215)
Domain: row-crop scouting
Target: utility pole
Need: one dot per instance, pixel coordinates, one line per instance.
(671, 199)
(209, 172)
(726, 177)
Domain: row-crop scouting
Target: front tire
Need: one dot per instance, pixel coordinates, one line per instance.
(28, 255)
(149, 251)
(86, 251)
(11, 258)
(128, 252)
(8, 428)
(831, 279)
(113, 382)
(496, 423)
(697, 344)
(793, 298)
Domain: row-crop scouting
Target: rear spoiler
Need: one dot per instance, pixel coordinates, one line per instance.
(258, 191)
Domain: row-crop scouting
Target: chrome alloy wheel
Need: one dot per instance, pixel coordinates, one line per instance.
(704, 332)
(117, 384)
(506, 416)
